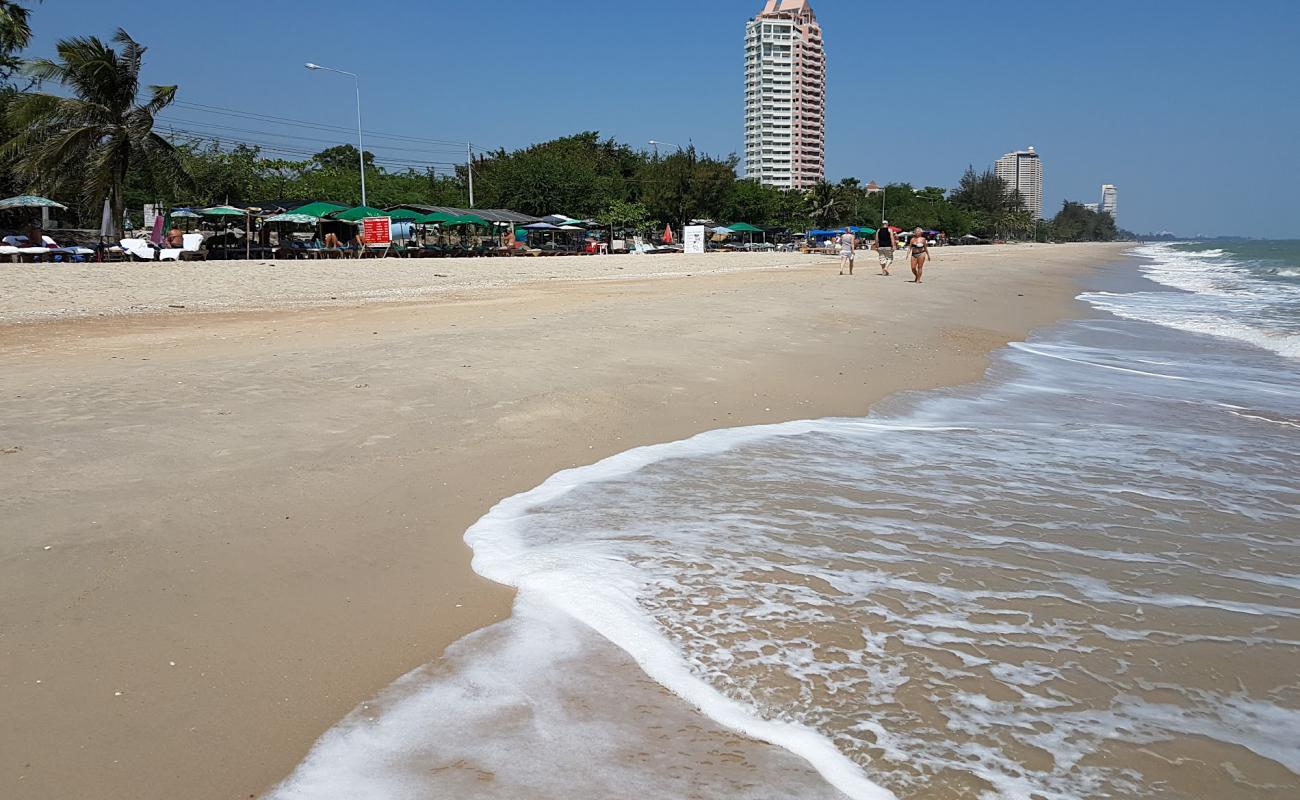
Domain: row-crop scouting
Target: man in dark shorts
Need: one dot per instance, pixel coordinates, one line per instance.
(886, 244)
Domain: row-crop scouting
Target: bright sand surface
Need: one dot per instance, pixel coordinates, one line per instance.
(224, 530)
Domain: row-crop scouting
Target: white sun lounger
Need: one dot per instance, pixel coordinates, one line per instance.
(192, 243)
(140, 249)
(17, 246)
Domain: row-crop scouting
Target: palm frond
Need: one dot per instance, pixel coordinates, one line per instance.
(15, 29)
(167, 164)
(159, 98)
(132, 59)
(106, 168)
(43, 69)
(90, 69)
(65, 147)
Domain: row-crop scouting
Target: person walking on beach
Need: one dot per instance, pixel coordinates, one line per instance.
(847, 243)
(886, 244)
(920, 252)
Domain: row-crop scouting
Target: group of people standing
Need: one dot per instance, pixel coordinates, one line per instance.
(886, 242)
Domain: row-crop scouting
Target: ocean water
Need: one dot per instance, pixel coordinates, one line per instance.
(1079, 578)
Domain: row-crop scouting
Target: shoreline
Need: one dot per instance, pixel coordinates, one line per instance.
(309, 563)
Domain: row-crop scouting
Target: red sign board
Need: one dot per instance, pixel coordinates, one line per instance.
(377, 230)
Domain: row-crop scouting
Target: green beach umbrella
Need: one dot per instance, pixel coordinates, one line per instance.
(30, 201)
(744, 227)
(295, 218)
(404, 214)
(319, 208)
(436, 217)
(231, 211)
(468, 219)
(223, 211)
(359, 213)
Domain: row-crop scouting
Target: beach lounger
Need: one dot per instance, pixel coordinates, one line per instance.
(192, 243)
(22, 250)
(60, 253)
(139, 249)
(310, 250)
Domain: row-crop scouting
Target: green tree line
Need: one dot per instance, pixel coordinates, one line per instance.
(97, 139)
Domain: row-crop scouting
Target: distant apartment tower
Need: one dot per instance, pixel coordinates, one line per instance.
(1023, 172)
(785, 96)
(1109, 199)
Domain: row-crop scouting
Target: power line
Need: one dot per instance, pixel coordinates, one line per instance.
(305, 154)
(211, 126)
(251, 115)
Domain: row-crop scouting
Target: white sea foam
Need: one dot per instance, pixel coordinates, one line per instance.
(604, 595)
(537, 707)
(1223, 298)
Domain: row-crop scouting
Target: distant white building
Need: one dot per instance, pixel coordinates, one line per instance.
(1023, 172)
(1109, 200)
(785, 96)
(1092, 206)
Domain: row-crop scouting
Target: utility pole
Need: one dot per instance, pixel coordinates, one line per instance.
(469, 170)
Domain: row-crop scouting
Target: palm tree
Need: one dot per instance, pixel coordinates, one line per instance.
(90, 140)
(15, 34)
(823, 204)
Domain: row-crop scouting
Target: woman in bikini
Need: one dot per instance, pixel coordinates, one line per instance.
(920, 247)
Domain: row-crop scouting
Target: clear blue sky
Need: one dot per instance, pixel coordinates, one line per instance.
(1191, 107)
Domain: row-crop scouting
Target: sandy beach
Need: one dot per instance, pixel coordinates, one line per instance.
(236, 491)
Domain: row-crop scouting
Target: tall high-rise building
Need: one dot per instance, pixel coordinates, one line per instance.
(1023, 172)
(1109, 199)
(785, 96)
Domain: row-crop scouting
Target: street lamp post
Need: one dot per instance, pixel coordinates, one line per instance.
(361, 147)
(655, 145)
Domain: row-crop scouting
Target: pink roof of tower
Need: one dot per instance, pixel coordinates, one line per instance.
(797, 7)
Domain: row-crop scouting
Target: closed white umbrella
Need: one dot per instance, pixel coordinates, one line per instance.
(106, 227)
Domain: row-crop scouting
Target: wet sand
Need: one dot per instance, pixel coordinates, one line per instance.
(228, 524)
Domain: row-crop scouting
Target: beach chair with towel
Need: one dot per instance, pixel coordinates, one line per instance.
(188, 252)
(19, 249)
(139, 249)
